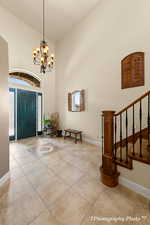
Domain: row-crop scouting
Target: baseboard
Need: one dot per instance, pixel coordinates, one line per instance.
(4, 178)
(135, 187)
(91, 141)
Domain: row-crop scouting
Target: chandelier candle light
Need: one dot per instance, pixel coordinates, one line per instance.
(41, 55)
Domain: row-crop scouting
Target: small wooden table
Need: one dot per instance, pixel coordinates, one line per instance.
(76, 133)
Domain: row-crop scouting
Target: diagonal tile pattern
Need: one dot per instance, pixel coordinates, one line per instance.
(62, 187)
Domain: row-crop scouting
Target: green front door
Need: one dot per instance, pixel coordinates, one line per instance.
(26, 114)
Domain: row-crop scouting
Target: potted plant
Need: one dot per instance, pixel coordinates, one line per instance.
(48, 124)
(51, 124)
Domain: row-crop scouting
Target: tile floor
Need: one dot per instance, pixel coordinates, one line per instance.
(62, 187)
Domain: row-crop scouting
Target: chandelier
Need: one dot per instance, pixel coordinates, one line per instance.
(41, 55)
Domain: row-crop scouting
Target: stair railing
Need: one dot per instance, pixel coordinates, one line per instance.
(115, 148)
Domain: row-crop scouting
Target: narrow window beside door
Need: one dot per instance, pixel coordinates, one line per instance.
(39, 122)
(12, 113)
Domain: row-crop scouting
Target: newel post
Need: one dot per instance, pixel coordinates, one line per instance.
(109, 174)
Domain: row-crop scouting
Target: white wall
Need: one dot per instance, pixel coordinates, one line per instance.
(4, 149)
(90, 58)
(22, 39)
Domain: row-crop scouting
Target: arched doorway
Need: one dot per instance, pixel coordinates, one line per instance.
(25, 114)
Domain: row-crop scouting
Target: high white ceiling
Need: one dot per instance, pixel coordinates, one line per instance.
(61, 15)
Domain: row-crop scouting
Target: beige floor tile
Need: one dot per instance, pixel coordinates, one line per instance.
(74, 160)
(13, 216)
(46, 160)
(12, 190)
(69, 174)
(1, 219)
(144, 213)
(52, 190)
(24, 210)
(26, 160)
(45, 219)
(70, 208)
(54, 155)
(59, 166)
(115, 204)
(44, 188)
(134, 197)
(16, 173)
(94, 172)
(19, 151)
(33, 167)
(32, 206)
(41, 177)
(13, 164)
(89, 188)
(84, 166)
(67, 156)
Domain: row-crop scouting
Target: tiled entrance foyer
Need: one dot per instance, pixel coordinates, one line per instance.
(61, 187)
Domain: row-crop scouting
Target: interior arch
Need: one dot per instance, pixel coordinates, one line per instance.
(31, 80)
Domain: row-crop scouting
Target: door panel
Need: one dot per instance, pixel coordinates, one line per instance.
(26, 114)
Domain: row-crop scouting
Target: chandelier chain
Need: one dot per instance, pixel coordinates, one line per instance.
(43, 20)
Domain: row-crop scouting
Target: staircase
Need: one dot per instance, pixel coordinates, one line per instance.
(125, 137)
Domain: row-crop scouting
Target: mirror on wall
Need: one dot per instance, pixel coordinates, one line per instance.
(76, 101)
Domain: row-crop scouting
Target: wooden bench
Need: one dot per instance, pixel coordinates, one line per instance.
(76, 134)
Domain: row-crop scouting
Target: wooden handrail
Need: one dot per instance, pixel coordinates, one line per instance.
(133, 103)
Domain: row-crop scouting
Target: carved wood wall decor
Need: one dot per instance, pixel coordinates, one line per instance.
(133, 70)
(76, 101)
(26, 77)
